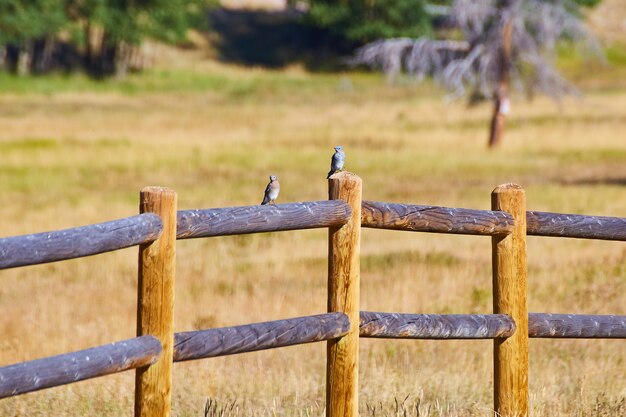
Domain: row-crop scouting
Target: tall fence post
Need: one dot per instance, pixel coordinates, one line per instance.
(344, 243)
(510, 356)
(155, 304)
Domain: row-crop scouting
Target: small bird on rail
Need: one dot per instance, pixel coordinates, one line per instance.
(271, 191)
(336, 164)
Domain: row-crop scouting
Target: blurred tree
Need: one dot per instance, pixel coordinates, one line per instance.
(587, 3)
(366, 20)
(105, 32)
(27, 29)
(110, 30)
(498, 43)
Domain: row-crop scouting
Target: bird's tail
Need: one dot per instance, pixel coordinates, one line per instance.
(331, 172)
(266, 200)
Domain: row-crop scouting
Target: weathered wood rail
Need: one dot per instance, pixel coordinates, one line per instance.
(157, 347)
(145, 350)
(576, 225)
(434, 219)
(77, 242)
(78, 366)
(252, 337)
(489, 326)
(99, 238)
(576, 326)
(436, 326)
(259, 219)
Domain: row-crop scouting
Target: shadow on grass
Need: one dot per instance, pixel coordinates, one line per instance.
(275, 39)
(620, 181)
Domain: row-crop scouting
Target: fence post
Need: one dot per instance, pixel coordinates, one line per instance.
(344, 243)
(155, 304)
(510, 356)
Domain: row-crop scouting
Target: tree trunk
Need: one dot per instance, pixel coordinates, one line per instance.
(88, 46)
(11, 56)
(108, 55)
(500, 110)
(3, 56)
(123, 55)
(501, 99)
(42, 55)
(24, 59)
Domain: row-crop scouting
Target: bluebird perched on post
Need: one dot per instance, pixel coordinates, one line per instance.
(339, 158)
(271, 191)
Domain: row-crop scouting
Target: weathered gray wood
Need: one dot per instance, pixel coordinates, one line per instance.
(258, 219)
(435, 219)
(76, 242)
(78, 366)
(490, 326)
(576, 326)
(259, 336)
(435, 326)
(575, 225)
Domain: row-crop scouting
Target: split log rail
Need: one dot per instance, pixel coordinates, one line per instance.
(156, 347)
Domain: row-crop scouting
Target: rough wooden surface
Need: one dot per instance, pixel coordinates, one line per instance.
(576, 225)
(576, 326)
(76, 242)
(344, 242)
(257, 219)
(510, 297)
(435, 326)
(155, 304)
(435, 219)
(78, 366)
(259, 336)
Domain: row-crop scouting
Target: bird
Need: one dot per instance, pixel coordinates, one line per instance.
(271, 191)
(336, 164)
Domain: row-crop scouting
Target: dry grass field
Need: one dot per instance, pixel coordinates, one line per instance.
(74, 152)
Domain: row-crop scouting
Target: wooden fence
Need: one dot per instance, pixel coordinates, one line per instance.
(156, 347)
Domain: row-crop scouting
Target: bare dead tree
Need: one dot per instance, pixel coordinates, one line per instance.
(505, 43)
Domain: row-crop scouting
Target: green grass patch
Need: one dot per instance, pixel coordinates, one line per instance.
(602, 155)
(28, 144)
(227, 84)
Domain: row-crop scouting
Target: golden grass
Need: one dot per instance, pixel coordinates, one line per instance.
(79, 157)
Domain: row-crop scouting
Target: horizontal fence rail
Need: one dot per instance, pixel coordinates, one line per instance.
(258, 219)
(80, 241)
(489, 326)
(576, 326)
(259, 336)
(435, 219)
(134, 353)
(78, 366)
(435, 326)
(575, 225)
(88, 240)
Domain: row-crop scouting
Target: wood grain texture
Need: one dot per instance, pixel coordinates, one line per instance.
(344, 244)
(258, 336)
(576, 326)
(435, 326)
(434, 219)
(510, 297)
(155, 304)
(257, 219)
(77, 242)
(576, 225)
(78, 366)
